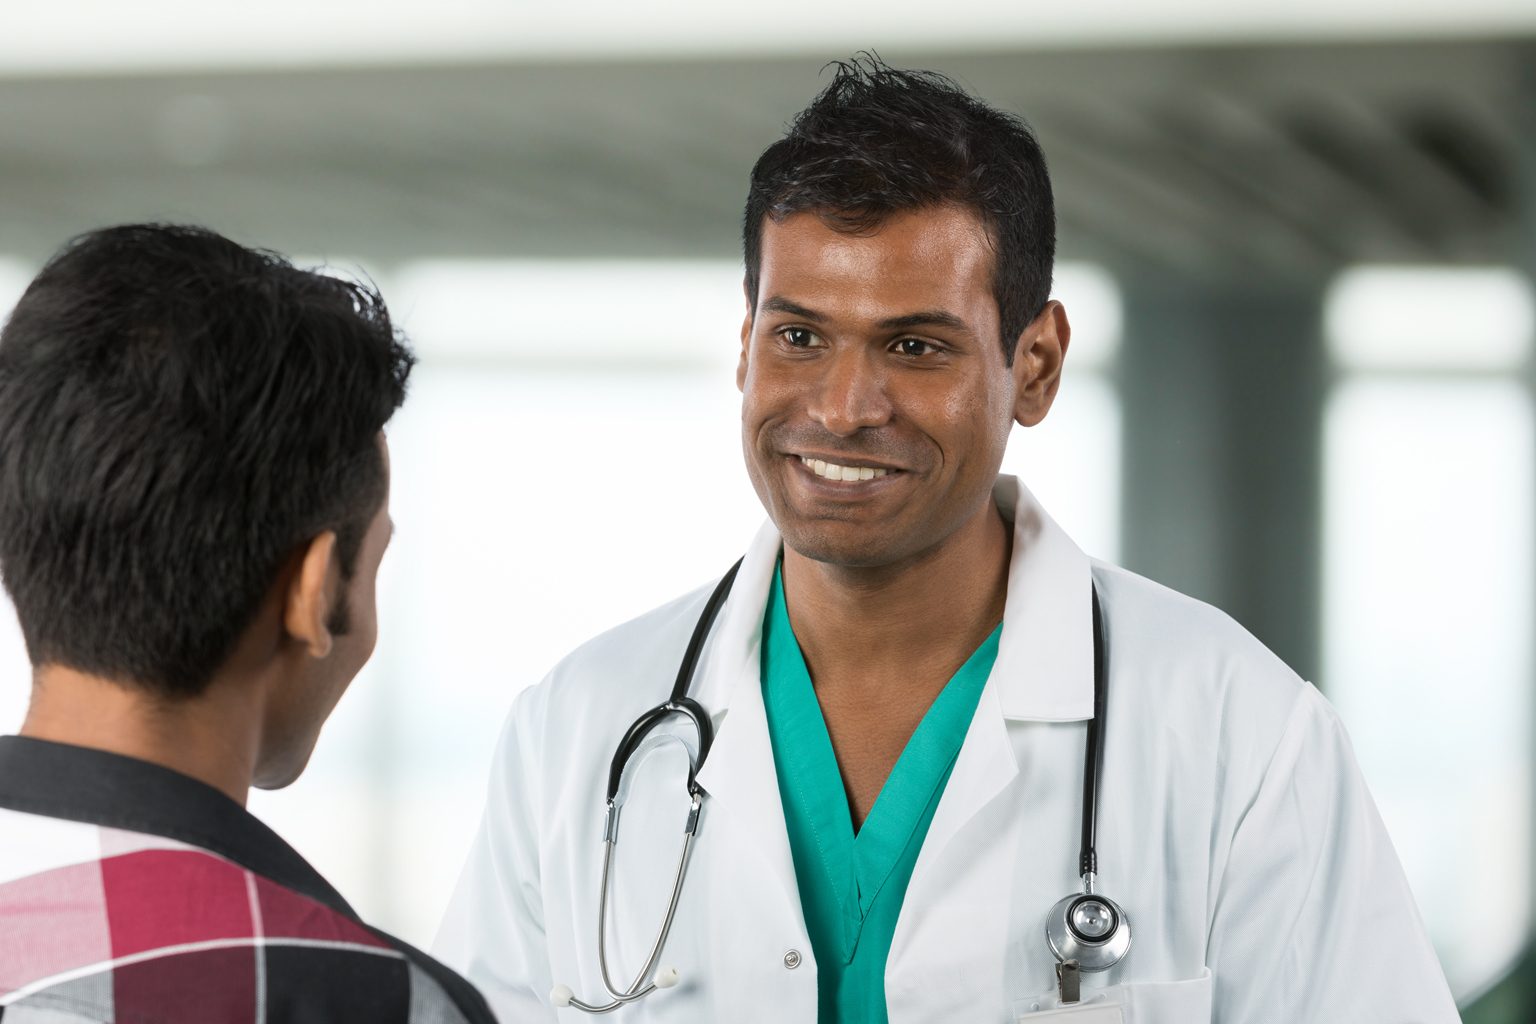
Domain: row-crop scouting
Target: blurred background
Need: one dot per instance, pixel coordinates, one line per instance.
(1297, 245)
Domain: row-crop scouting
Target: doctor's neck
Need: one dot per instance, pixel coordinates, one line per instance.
(919, 618)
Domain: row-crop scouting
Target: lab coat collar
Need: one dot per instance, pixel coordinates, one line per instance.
(1043, 672)
(1044, 667)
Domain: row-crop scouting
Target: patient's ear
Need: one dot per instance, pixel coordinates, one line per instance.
(311, 595)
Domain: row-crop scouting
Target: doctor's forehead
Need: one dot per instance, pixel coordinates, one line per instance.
(924, 259)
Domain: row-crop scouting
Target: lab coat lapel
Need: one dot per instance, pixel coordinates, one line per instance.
(984, 767)
(1043, 672)
(1044, 666)
(739, 775)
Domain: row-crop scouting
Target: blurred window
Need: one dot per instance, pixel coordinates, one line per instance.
(1071, 461)
(576, 313)
(15, 275)
(1434, 318)
(15, 671)
(1428, 560)
(569, 458)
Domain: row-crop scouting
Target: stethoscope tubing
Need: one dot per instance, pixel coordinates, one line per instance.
(679, 703)
(1093, 754)
(1096, 952)
(634, 991)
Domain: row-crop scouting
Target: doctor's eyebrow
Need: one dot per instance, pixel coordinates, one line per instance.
(779, 304)
(905, 322)
(925, 318)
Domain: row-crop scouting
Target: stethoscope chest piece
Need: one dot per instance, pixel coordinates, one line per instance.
(1090, 929)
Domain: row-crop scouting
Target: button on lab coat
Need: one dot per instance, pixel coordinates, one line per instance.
(1234, 827)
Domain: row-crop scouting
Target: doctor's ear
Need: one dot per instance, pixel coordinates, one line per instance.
(1037, 363)
(312, 594)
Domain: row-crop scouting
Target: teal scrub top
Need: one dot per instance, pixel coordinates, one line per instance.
(852, 886)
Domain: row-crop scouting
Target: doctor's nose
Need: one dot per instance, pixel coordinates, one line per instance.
(850, 395)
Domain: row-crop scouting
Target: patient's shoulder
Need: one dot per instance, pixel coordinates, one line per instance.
(121, 925)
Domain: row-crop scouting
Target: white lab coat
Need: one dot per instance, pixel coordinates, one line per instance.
(1234, 829)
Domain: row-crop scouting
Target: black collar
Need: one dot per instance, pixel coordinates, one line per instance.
(92, 786)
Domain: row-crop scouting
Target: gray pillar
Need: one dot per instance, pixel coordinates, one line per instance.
(1223, 389)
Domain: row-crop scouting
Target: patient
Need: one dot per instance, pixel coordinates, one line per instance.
(194, 502)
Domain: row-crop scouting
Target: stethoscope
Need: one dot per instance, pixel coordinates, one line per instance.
(636, 741)
(1086, 931)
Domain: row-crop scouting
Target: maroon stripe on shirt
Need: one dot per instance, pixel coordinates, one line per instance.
(213, 985)
(286, 914)
(159, 898)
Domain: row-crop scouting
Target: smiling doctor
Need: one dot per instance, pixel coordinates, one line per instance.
(959, 771)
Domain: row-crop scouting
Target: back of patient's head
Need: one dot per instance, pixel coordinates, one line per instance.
(177, 414)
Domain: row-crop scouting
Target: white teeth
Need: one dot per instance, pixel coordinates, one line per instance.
(832, 471)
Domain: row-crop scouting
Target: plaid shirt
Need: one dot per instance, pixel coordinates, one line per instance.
(132, 893)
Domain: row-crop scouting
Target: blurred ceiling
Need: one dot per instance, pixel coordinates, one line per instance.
(108, 36)
(1207, 161)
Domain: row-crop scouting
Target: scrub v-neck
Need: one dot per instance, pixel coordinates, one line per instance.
(852, 886)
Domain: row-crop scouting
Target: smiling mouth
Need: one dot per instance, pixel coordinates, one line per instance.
(847, 474)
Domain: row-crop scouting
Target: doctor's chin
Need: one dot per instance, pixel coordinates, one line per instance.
(839, 513)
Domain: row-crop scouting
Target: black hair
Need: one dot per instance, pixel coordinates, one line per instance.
(878, 140)
(177, 415)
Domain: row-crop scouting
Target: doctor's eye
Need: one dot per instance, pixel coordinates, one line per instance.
(915, 347)
(800, 337)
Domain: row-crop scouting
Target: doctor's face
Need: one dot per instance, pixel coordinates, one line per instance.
(877, 398)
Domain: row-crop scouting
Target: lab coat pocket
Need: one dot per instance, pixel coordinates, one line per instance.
(1168, 1002)
(1148, 1002)
(1078, 1013)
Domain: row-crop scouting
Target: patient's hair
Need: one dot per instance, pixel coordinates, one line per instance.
(879, 140)
(178, 414)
